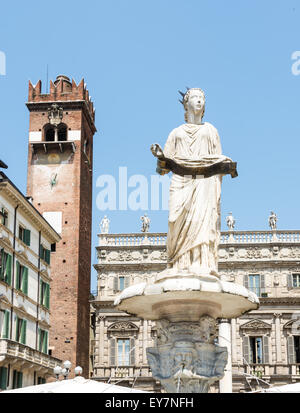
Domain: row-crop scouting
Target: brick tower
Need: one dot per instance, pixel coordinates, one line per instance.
(59, 180)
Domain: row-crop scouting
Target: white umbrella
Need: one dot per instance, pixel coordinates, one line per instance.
(77, 385)
(287, 388)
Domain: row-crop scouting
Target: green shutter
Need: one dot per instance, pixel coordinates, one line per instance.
(17, 274)
(23, 331)
(41, 291)
(47, 256)
(20, 379)
(27, 236)
(41, 251)
(45, 342)
(39, 339)
(3, 378)
(2, 265)
(47, 292)
(6, 324)
(25, 281)
(8, 269)
(17, 328)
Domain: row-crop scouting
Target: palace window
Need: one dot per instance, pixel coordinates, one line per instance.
(120, 283)
(44, 294)
(293, 347)
(17, 379)
(296, 280)
(256, 349)
(24, 235)
(3, 216)
(255, 283)
(5, 267)
(123, 352)
(45, 254)
(3, 378)
(21, 326)
(22, 278)
(43, 341)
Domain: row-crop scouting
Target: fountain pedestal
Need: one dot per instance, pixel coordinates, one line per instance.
(186, 307)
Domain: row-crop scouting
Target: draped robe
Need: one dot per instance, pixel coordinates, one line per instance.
(194, 203)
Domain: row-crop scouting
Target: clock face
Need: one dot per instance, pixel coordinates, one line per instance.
(53, 158)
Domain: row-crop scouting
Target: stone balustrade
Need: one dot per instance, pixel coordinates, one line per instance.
(125, 372)
(227, 237)
(12, 351)
(265, 370)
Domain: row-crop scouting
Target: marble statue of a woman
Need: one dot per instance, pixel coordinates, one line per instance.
(194, 202)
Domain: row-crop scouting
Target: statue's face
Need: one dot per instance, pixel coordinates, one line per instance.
(195, 101)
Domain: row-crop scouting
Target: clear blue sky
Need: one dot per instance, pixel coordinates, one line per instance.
(134, 55)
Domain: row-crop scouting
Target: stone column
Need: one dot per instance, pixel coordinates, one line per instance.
(145, 341)
(278, 337)
(225, 340)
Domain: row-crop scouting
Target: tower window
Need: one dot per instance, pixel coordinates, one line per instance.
(49, 134)
(62, 132)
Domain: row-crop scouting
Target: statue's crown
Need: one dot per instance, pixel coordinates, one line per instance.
(187, 91)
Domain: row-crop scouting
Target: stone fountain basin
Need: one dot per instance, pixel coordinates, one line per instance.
(187, 299)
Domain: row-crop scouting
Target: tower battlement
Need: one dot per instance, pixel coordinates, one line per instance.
(61, 90)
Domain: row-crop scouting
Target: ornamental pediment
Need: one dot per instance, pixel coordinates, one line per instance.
(123, 325)
(255, 325)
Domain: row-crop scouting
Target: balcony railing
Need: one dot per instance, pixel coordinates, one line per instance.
(121, 372)
(227, 237)
(10, 349)
(266, 370)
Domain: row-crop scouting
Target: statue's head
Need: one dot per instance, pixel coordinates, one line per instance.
(193, 100)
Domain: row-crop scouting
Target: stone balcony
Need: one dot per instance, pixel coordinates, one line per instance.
(26, 358)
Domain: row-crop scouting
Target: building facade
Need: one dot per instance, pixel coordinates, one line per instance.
(264, 344)
(59, 180)
(26, 242)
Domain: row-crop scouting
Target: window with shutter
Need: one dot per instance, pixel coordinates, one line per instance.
(127, 279)
(246, 281)
(289, 281)
(25, 280)
(26, 238)
(296, 280)
(123, 352)
(255, 283)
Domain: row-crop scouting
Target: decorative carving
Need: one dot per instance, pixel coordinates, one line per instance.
(255, 325)
(122, 326)
(145, 223)
(185, 359)
(230, 221)
(254, 252)
(55, 114)
(104, 225)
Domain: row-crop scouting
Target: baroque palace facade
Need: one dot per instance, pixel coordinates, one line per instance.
(265, 343)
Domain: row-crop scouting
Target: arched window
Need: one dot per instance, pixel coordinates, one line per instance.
(62, 131)
(49, 133)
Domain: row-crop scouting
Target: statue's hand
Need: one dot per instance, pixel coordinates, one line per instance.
(161, 168)
(156, 150)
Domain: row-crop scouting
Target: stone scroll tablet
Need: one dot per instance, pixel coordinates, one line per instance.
(221, 168)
